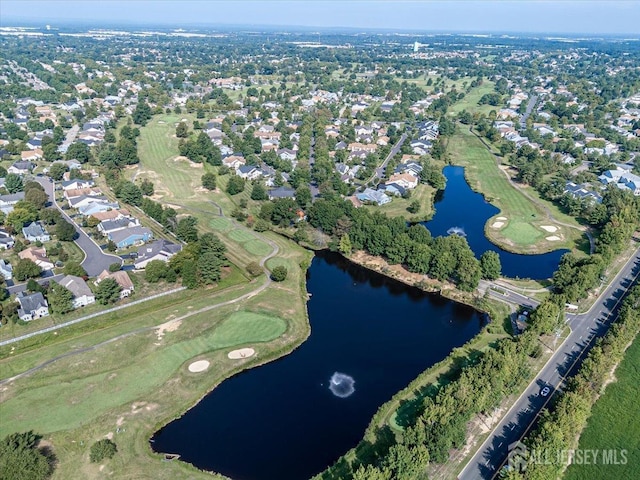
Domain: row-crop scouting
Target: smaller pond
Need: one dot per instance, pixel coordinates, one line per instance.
(461, 210)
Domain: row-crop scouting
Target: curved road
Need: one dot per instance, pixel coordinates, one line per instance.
(95, 260)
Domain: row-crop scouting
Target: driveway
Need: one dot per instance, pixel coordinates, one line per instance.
(95, 260)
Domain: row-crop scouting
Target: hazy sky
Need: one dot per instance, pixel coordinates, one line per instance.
(566, 16)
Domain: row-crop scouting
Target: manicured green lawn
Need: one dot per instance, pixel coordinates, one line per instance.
(257, 247)
(522, 230)
(398, 205)
(241, 236)
(614, 424)
(220, 224)
(471, 99)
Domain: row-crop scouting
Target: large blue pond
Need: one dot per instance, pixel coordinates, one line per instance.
(292, 418)
(459, 206)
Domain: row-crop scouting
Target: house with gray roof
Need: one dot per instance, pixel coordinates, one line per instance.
(282, 192)
(6, 270)
(373, 196)
(32, 306)
(8, 201)
(82, 294)
(130, 236)
(6, 240)
(35, 232)
(161, 250)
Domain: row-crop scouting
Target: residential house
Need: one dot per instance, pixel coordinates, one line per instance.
(287, 154)
(37, 255)
(32, 306)
(161, 250)
(580, 192)
(109, 226)
(373, 196)
(130, 236)
(35, 232)
(234, 161)
(623, 179)
(82, 294)
(248, 172)
(121, 278)
(76, 183)
(6, 270)
(111, 214)
(406, 180)
(6, 240)
(83, 200)
(421, 147)
(391, 188)
(79, 192)
(22, 167)
(95, 207)
(8, 201)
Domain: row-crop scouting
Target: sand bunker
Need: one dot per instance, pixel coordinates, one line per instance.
(501, 218)
(549, 228)
(241, 353)
(553, 238)
(199, 366)
(497, 224)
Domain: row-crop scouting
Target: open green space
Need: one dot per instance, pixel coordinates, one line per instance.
(471, 99)
(220, 224)
(99, 393)
(398, 206)
(614, 425)
(257, 247)
(522, 231)
(241, 236)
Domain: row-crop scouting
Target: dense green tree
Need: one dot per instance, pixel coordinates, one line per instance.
(209, 181)
(107, 291)
(259, 192)
(65, 231)
(57, 171)
(13, 183)
(146, 187)
(78, 151)
(128, 192)
(210, 243)
(189, 274)
(490, 265)
(60, 298)
(102, 449)
(20, 459)
(187, 230)
(235, 185)
(279, 273)
(142, 113)
(74, 268)
(155, 271)
(345, 246)
(38, 198)
(182, 130)
(25, 269)
(209, 269)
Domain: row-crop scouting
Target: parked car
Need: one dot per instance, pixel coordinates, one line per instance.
(545, 391)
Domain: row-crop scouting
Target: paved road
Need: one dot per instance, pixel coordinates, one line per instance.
(95, 260)
(70, 138)
(379, 172)
(585, 328)
(525, 115)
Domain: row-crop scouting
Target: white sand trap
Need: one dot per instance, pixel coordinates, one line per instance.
(504, 219)
(199, 366)
(553, 238)
(161, 122)
(549, 228)
(241, 353)
(497, 224)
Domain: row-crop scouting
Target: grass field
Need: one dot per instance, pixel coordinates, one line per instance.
(129, 388)
(614, 424)
(471, 99)
(398, 205)
(521, 232)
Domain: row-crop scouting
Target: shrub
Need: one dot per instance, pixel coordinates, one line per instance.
(279, 273)
(102, 449)
(254, 269)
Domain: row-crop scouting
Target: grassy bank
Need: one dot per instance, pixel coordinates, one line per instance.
(613, 424)
(518, 226)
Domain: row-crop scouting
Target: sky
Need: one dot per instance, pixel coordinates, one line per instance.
(555, 16)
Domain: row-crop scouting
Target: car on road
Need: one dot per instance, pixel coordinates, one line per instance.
(545, 391)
